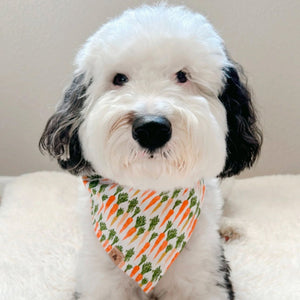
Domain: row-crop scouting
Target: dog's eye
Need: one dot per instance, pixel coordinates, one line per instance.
(120, 79)
(181, 76)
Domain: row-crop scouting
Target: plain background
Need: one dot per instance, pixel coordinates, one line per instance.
(39, 39)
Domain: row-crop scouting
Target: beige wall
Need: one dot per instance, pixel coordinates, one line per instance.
(39, 38)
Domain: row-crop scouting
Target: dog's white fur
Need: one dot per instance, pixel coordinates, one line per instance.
(214, 133)
(149, 45)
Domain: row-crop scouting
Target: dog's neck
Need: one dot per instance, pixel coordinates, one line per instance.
(143, 231)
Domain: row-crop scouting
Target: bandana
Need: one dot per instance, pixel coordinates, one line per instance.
(143, 231)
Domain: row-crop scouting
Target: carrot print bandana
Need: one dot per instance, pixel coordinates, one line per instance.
(143, 231)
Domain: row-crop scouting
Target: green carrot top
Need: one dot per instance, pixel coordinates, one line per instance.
(122, 197)
(140, 221)
(132, 204)
(171, 234)
(156, 273)
(153, 222)
(146, 268)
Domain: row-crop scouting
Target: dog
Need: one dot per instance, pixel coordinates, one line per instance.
(156, 103)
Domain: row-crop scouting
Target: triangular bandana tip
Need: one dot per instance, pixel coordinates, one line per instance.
(143, 231)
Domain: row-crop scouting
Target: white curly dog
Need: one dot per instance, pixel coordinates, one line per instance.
(156, 103)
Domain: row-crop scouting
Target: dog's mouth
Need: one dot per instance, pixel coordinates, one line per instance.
(160, 157)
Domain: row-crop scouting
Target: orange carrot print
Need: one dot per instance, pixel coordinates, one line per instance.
(148, 196)
(145, 235)
(186, 213)
(148, 285)
(130, 219)
(105, 243)
(170, 235)
(96, 226)
(170, 212)
(185, 191)
(112, 211)
(140, 231)
(140, 221)
(203, 192)
(139, 277)
(152, 202)
(167, 206)
(161, 236)
(163, 199)
(136, 192)
(120, 212)
(158, 240)
(161, 248)
(113, 186)
(168, 248)
(170, 255)
(112, 198)
(123, 197)
(131, 205)
(147, 267)
(101, 229)
(167, 217)
(191, 223)
(134, 271)
(136, 268)
(130, 232)
(173, 259)
(188, 210)
(99, 211)
(193, 227)
(146, 246)
(126, 224)
(182, 207)
(147, 191)
(109, 247)
(187, 221)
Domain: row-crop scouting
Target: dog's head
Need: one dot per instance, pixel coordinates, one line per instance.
(155, 102)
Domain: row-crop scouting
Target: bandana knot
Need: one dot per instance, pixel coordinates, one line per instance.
(143, 231)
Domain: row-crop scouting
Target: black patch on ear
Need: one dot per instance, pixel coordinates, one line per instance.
(244, 138)
(60, 137)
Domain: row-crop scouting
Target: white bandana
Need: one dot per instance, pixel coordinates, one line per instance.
(143, 231)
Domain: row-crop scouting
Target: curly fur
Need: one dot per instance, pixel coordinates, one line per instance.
(214, 134)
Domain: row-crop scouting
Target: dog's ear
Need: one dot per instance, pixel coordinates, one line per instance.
(60, 137)
(244, 138)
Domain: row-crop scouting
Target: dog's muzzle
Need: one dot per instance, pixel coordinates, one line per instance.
(151, 132)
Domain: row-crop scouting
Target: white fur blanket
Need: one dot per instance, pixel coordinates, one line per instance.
(40, 236)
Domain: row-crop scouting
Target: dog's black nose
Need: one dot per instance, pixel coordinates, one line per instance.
(151, 131)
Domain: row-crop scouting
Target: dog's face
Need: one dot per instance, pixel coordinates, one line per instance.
(155, 103)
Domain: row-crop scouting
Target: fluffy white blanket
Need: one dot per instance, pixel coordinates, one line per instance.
(40, 236)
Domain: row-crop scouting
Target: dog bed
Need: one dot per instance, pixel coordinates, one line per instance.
(40, 237)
